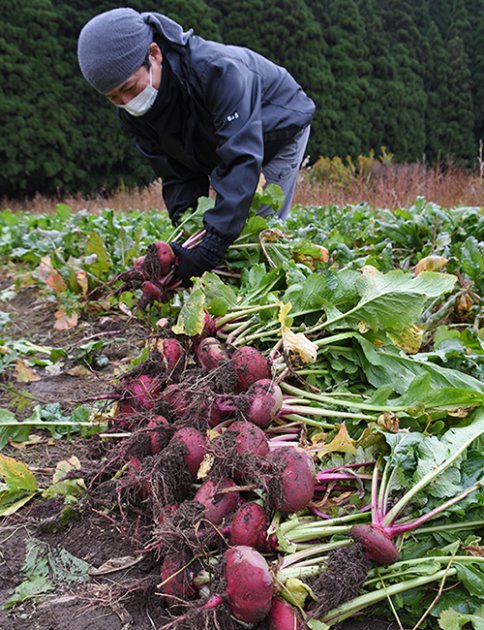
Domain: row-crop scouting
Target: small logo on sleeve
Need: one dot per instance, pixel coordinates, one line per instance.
(232, 117)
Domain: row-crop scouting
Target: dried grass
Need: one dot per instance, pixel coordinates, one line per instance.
(390, 186)
(398, 185)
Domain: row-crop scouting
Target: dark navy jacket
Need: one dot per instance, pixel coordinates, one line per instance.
(220, 114)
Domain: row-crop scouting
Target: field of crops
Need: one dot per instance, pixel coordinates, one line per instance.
(296, 441)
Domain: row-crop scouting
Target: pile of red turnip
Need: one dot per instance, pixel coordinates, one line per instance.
(204, 462)
(200, 462)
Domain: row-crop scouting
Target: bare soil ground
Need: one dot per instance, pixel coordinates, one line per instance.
(119, 600)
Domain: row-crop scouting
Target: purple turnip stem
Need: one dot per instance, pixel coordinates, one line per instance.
(396, 530)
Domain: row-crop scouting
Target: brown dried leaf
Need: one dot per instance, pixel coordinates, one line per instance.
(474, 550)
(82, 282)
(23, 373)
(389, 421)
(65, 321)
(430, 263)
(116, 564)
(79, 371)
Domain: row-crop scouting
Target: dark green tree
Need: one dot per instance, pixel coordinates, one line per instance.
(460, 25)
(347, 53)
(459, 142)
(409, 110)
(422, 15)
(436, 79)
(440, 13)
(384, 88)
(475, 50)
(35, 143)
(196, 14)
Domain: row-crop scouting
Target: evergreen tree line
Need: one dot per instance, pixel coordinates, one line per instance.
(404, 74)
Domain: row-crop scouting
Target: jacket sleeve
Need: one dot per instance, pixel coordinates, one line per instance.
(181, 187)
(233, 97)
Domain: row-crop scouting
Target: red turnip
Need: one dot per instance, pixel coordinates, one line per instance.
(217, 506)
(211, 353)
(194, 447)
(151, 293)
(158, 428)
(249, 366)
(248, 591)
(177, 579)
(249, 527)
(292, 486)
(126, 414)
(283, 616)
(138, 266)
(249, 584)
(159, 259)
(143, 390)
(264, 399)
(249, 439)
(377, 544)
(171, 353)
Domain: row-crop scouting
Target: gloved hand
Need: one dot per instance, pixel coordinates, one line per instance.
(193, 262)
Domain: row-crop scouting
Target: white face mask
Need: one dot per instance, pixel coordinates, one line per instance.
(141, 103)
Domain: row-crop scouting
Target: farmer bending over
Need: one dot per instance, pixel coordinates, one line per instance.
(204, 114)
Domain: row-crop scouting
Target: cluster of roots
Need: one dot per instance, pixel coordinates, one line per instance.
(347, 570)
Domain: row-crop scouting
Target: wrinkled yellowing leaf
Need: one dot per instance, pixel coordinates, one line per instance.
(78, 370)
(317, 438)
(272, 235)
(205, 466)
(430, 263)
(16, 474)
(463, 304)
(341, 443)
(295, 591)
(261, 184)
(298, 346)
(65, 321)
(24, 373)
(369, 270)
(363, 327)
(324, 255)
(283, 312)
(82, 282)
(64, 467)
(116, 564)
(12, 502)
(213, 434)
(34, 438)
(475, 550)
(52, 278)
(409, 339)
(389, 421)
(459, 413)
(44, 269)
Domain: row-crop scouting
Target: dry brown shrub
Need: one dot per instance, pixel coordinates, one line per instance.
(390, 186)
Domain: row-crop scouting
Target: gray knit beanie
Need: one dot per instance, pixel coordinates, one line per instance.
(112, 46)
